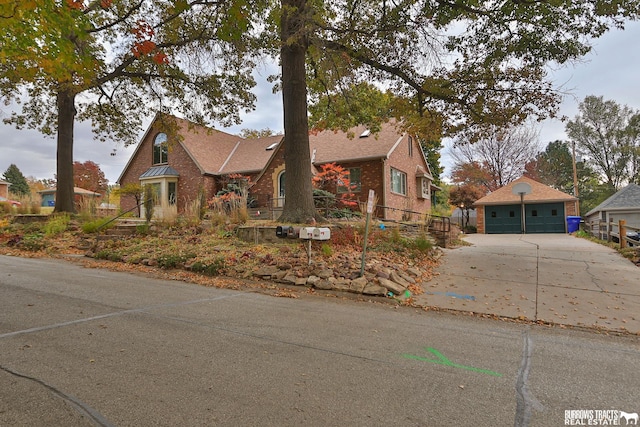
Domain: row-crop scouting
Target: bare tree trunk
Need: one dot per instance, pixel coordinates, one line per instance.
(299, 207)
(64, 158)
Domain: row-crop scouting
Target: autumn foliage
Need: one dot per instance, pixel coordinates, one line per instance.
(335, 179)
(143, 45)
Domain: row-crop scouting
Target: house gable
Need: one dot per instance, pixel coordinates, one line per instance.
(539, 193)
(195, 154)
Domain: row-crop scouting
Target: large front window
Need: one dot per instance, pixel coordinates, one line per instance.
(160, 149)
(398, 182)
(164, 191)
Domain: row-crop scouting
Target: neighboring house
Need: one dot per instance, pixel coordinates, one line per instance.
(202, 159)
(625, 204)
(545, 209)
(4, 189)
(80, 195)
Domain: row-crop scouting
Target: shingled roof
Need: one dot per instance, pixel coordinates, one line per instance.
(330, 146)
(540, 193)
(625, 199)
(208, 148)
(219, 153)
(250, 155)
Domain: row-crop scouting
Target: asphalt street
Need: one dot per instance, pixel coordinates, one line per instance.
(81, 347)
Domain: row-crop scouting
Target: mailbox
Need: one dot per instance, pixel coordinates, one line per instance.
(321, 233)
(293, 232)
(306, 233)
(282, 231)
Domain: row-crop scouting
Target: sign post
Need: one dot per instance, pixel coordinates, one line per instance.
(366, 229)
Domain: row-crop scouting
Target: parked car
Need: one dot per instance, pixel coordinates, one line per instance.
(13, 203)
(633, 235)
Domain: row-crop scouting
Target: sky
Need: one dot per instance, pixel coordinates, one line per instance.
(610, 70)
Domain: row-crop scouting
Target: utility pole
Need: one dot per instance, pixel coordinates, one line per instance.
(575, 177)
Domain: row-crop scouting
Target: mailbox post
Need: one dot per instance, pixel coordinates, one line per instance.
(313, 233)
(366, 229)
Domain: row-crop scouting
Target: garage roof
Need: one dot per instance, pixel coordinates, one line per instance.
(540, 193)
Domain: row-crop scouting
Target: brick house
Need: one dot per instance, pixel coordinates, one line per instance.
(200, 159)
(545, 209)
(390, 163)
(180, 159)
(4, 189)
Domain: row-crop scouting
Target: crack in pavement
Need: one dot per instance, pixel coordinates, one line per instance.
(525, 401)
(74, 402)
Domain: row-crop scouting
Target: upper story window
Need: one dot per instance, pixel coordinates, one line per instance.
(398, 182)
(410, 141)
(160, 149)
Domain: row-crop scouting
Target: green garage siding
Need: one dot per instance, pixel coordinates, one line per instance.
(545, 218)
(540, 218)
(503, 219)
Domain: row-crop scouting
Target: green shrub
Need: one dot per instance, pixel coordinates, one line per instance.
(97, 225)
(56, 224)
(149, 202)
(422, 244)
(326, 250)
(143, 228)
(212, 269)
(32, 242)
(108, 255)
(173, 260)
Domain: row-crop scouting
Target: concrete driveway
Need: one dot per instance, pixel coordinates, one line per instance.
(554, 278)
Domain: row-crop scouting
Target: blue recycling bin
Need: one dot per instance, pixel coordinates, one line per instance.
(573, 223)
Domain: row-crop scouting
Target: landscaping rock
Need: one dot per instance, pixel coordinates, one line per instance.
(394, 276)
(392, 286)
(290, 278)
(325, 274)
(285, 266)
(382, 274)
(375, 290)
(266, 271)
(415, 271)
(313, 280)
(406, 276)
(279, 275)
(358, 285)
(342, 284)
(323, 284)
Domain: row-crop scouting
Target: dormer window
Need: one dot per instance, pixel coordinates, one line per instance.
(160, 149)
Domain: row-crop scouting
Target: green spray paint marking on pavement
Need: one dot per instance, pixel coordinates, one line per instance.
(442, 360)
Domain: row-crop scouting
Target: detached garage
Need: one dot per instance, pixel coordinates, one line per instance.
(544, 208)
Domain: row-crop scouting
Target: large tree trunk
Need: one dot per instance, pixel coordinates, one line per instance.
(66, 119)
(298, 207)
